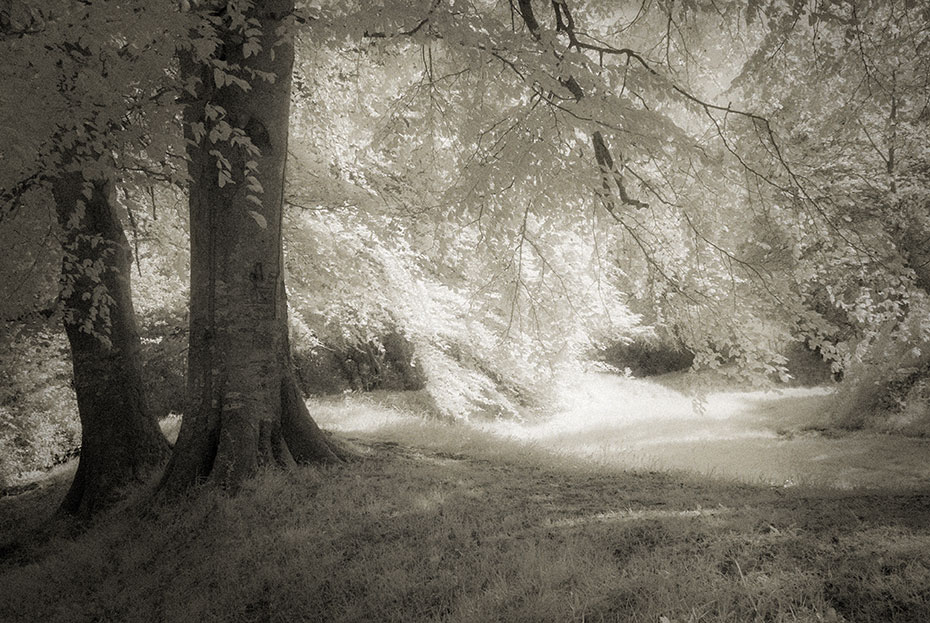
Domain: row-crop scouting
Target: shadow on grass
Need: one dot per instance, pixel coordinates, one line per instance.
(468, 527)
(456, 523)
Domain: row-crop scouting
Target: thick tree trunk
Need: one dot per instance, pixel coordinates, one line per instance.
(244, 408)
(120, 439)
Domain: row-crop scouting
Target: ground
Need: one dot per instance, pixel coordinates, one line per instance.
(755, 436)
(478, 523)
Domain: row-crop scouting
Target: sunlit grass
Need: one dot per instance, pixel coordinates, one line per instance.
(441, 522)
(750, 436)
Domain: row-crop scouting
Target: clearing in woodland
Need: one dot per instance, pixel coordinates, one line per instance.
(504, 522)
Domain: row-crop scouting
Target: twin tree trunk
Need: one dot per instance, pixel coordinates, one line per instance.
(120, 440)
(244, 407)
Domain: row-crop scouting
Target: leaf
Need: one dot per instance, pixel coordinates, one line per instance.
(259, 219)
(198, 130)
(249, 48)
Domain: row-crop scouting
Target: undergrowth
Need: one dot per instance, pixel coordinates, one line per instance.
(38, 413)
(886, 385)
(39, 423)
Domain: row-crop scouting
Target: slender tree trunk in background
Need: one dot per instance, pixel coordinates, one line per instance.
(244, 408)
(120, 440)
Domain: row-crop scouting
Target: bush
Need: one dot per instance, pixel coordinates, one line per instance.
(908, 410)
(39, 424)
(806, 366)
(646, 355)
(887, 384)
(386, 363)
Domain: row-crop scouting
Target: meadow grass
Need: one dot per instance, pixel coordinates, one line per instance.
(439, 522)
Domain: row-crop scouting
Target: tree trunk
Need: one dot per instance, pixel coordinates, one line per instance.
(120, 439)
(244, 408)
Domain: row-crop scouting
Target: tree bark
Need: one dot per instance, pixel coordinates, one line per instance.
(244, 408)
(120, 440)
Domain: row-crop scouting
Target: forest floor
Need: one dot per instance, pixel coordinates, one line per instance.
(501, 522)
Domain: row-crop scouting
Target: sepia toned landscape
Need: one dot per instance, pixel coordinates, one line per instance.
(465, 311)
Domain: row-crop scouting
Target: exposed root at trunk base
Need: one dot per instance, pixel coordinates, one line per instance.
(102, 477)
(228, 448)
(306, 441)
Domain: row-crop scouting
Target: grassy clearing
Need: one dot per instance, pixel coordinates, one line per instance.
(752, 436)
(449, 523)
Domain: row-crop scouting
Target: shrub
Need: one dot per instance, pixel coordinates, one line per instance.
(646, 354)
(39, 424)
(886, 383)
(386, 363)
(807, 366)
(164, 334)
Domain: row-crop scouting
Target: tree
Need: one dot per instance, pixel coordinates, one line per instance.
(77, 117)
(587, 113)
(857, 104)
(120, 439)
(851, 81)
(558, 142)
(244, 406)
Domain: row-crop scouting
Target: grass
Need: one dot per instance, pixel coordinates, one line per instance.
(455, 523)
(753, 436)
